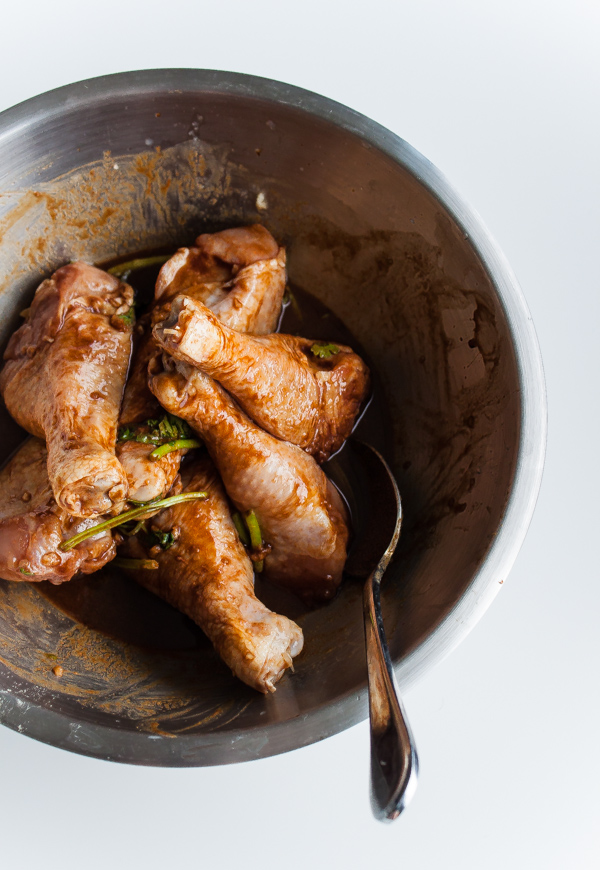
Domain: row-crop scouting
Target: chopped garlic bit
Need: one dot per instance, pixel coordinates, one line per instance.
(261, 202)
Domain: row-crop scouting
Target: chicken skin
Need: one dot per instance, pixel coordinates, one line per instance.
(238, 273)
(63, 380)
(33, 525)
(147, 478)
(207, 574)
(277, 379)
(138, 402)
(300, 513)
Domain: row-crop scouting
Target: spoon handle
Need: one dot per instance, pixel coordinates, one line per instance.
(394, 761)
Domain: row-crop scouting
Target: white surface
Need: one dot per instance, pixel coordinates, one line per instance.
(503, 97)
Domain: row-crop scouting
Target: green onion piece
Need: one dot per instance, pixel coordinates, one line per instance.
(248, 529)
(170, 446)
(242, 531)
(254, 529)
(138, 263)
(139, 525)
(27, 573)
(150, 564)
(255, 536)
(125, 517)
(324, 351)
(144, 504)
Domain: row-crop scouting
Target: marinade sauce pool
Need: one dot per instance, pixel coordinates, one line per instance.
(111, 602)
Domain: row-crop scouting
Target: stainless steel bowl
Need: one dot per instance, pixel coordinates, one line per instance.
(147, 159)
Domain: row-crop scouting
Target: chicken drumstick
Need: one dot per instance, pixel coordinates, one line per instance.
(300, 513)
(33, 525)
(207, 574)
(241, 273)
(63, 380)
(238, 273)
(280, 381)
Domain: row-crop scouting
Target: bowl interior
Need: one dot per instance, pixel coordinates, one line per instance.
(99, 173)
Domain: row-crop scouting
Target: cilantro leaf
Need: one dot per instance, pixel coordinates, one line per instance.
(324, 351)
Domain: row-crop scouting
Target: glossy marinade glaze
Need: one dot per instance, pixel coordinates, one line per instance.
(235, 281)
(114, 604)
(63, 380)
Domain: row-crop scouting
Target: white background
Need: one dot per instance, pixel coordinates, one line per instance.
(504, 98)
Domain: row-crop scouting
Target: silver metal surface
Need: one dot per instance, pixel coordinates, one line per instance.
(144, 160)
(394, 760)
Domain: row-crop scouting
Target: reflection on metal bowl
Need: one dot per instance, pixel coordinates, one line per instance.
(146, 160)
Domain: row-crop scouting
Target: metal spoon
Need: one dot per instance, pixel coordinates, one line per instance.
(377, 516)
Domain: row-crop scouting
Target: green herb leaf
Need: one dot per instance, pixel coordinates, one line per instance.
(164, 540)
(156, 505)
(324, 351)
(159, 432)
(27, 573)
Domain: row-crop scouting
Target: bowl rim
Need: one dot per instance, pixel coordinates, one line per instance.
(112, 743)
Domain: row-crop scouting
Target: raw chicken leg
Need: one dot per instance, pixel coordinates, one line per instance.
(239, 274)
(252, 304)
(147, 478)
(32, 525)
(207, 574)
(278, 381)
(300, 513)
(63, 381)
